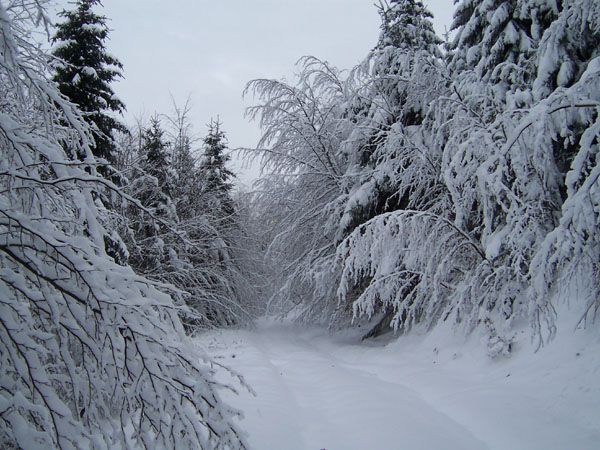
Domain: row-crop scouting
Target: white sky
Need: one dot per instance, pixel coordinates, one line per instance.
(210, 49)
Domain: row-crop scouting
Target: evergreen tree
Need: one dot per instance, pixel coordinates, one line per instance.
(155, 155)
(226, 276)
(497, 40)
(151, 185)
(401, 61)
(186, 234)
(468, 191)
(521, 149)
(406, 24)
(216, 177)
(398, 166)
(85, 71)
(398, 84)
(187, 186)
(562, 130)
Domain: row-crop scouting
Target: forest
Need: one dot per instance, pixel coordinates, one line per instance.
(442, 182)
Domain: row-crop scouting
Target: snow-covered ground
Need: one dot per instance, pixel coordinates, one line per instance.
(318, 391)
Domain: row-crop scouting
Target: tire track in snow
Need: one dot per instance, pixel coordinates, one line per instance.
(309, 399)
(237, 349)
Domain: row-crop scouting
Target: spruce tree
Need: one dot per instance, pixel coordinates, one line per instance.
(154, 154)
(407, 24)
(152, 185)
(522, 149)
(400, 84)
(406, 42)
(217, 225)
(185, 235)
(498, 40)
(215, 176)
(186, 186)
(85, 72)
(91, 355)
(399, 167)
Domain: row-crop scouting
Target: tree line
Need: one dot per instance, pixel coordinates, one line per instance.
(450, 180)
(115, 246)
(183, 228)
(440, 180)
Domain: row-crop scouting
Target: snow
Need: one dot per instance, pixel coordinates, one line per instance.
(494, 243)
(93, 28)
(315, 390)
(90, 72)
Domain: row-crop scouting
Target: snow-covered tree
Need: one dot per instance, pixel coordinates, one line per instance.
(565, 125)
(510, 187)
(300, 199)
(406, 24)
(344, 149)
(458, 243)
(187, 234)
(394, 162)
(498, 39)
(85, 70)
(151, 249)
(216, 177)
(396, 87)
(186, 186)
(226, 253)
(459, 183)
(91, 354)
(155, 159)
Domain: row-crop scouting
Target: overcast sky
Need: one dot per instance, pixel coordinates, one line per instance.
(210, 49)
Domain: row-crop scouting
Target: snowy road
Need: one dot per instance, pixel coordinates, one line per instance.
(318, 392)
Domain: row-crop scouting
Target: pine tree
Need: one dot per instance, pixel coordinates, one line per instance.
(216, 177)
(398, 83)
(406, 24)
(155, 155)
(152, 185)
(85, 71)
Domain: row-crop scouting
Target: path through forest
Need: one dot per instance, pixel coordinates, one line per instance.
(317, 391)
